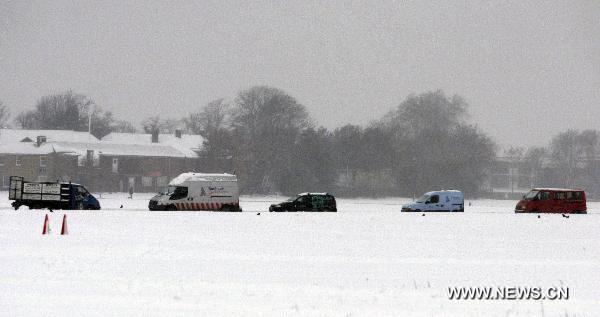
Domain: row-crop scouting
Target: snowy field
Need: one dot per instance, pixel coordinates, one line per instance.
(366, 260)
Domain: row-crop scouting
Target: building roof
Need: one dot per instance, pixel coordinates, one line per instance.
(111, 149)
(188, 144)
(12, 136)
(557, 189)
(202, 177)
(13, 141)
(25, 149)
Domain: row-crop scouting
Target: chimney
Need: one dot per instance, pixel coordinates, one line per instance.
(41, 139)
(178, 133)
(155, 136)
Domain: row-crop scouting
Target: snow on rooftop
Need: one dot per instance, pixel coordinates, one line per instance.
(114, 144)
(187, 144)
(15, 136)
(557, 189)
(110, 149)
(202, 177)
(25, 149)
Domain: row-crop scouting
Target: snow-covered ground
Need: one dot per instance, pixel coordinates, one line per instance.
(366, 260)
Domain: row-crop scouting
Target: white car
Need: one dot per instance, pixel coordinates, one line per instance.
(443, 200)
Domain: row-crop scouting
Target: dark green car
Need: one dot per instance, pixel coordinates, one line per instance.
(307, 202)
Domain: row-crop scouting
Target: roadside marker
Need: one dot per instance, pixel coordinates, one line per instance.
(46, 229)
(64, 230)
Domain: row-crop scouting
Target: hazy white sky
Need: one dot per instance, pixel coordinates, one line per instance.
(529, 69)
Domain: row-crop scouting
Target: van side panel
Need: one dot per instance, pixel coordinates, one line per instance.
(554, 201)
(209, 196)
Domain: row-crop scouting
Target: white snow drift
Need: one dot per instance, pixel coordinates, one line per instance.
(367, 259)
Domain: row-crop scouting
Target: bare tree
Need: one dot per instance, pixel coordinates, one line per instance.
(151, 124)
(434, 147)
(65, 111)
(209, 119)
(26, 120)
(211, 123)
(266, 124)
(123, 127)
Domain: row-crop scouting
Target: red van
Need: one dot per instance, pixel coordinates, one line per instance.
(557, 200)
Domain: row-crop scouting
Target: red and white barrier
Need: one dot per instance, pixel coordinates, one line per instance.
(46, 229)
(64, 230)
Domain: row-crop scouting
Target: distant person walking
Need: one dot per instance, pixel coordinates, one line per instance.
(130, 192)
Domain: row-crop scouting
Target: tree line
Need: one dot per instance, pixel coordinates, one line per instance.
(570, 160)
(274, 146)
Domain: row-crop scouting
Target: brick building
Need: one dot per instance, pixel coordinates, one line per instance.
(117, 162)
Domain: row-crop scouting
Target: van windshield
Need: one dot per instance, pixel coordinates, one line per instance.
(423, 199)
(531, 195)
(177, 192)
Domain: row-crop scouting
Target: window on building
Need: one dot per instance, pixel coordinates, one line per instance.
(146, 181)
(2, 158)
(43, 161)
(18, 161)
(5, 181)
(115, 165)
(161, 181)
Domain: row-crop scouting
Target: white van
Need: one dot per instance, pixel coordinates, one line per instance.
(199, 191)
(443, 200)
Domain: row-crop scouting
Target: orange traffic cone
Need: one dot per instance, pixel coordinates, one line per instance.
(64, 230)
(46, 229)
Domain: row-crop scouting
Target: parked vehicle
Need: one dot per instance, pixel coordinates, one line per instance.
(199, 191)
(307, 202)
(51, 195)
(557, 200)
(443, 200)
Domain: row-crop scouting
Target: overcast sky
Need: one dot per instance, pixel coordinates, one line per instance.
(529, 69)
